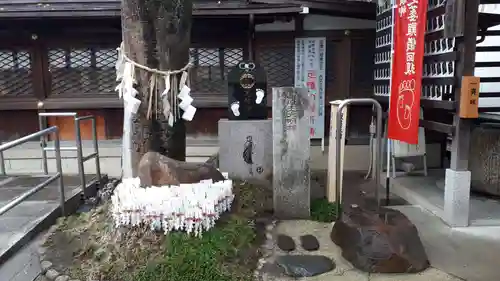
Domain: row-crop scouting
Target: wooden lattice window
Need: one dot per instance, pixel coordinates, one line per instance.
(278, 61)
(210, 68)
(15, 73)
(82, 71)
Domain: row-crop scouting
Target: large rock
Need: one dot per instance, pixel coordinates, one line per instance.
(156, 169)
(379, 243)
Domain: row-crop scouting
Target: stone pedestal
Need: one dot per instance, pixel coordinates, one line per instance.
(245, 148)
(457, 198)
(291, 152)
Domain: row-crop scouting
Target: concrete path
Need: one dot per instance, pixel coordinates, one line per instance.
(454, 253)
(470, 253)
(24, 265)
(344, 271)
(22, 223)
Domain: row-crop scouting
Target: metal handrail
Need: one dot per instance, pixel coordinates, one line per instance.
(377, 154)
(3, 171)
(81, 159)
(40, 134)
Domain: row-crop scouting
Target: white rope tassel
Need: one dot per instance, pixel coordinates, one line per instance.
(165, 99)
(125, 69)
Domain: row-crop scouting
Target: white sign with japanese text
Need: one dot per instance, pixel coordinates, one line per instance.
(310, 64)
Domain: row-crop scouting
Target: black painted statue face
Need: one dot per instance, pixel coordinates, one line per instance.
(247, 81)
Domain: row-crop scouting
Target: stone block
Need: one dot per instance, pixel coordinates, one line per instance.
(245, 148)
(457, 197)
(291, 152)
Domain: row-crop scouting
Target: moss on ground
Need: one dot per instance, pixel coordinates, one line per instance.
(88, 247)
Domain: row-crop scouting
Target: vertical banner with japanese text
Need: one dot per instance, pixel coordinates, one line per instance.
(310, 63)
(407, 66)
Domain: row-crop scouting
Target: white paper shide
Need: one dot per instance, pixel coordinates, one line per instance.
(174, 89)
(192, 208)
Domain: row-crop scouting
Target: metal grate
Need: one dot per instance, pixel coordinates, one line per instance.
(278, 62)
(211, 66)
(82, 71)
(15, 74)
(439, 55)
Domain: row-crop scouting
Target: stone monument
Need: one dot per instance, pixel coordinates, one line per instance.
(291, 152)
(245, 142)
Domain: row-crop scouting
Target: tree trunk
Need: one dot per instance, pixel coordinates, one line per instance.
(156, 33)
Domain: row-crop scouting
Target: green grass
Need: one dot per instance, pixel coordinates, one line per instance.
(323, 211)
(94, 249)
(225, 253)
(188, 258)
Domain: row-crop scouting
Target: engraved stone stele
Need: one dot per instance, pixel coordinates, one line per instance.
(291, 152)
(247, 92)
(383, 242)
(484, 161)
(245, 148)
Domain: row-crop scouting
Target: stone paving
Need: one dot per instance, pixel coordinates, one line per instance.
(24, 265)
(19, 225)
(343, 271)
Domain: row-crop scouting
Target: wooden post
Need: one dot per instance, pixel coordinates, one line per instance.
(156, 34)
(467, 51)
(251, 37)
(457, 183)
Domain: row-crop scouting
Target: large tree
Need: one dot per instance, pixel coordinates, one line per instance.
(156, 33)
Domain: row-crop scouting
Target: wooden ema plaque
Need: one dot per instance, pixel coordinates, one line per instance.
(469, 97)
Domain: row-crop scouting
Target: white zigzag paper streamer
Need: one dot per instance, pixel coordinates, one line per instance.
(192, 208)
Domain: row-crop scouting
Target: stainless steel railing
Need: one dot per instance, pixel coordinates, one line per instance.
(376, 155)
(3, 171)
(81, 159)
(57, 148)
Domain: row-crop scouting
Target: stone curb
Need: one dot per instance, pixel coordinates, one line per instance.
(48, 269)
(267, 249)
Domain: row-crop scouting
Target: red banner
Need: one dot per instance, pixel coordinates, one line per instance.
(407, 65)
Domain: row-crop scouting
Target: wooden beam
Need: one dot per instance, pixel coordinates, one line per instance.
(425, 103)
(437, 126)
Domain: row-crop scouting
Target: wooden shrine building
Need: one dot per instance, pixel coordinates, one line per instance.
(61, 54)
(461, 40)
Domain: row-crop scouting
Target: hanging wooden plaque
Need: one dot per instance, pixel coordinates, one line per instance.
(469, 97)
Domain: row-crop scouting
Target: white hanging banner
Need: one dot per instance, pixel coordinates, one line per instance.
(310, 59)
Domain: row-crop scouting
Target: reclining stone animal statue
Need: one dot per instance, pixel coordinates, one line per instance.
(158, 170)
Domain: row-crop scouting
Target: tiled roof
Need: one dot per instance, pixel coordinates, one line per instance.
(111, 8)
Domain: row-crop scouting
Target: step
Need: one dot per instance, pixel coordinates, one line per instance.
(19, 225)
